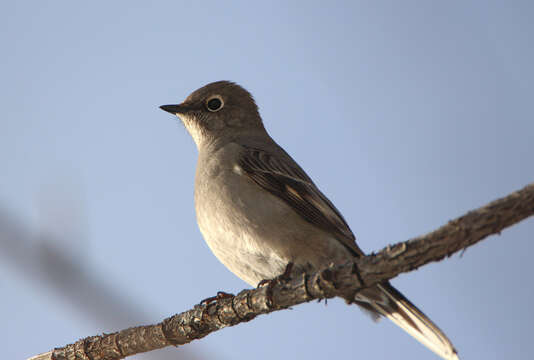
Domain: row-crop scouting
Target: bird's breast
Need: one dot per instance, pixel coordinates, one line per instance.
(251, 231)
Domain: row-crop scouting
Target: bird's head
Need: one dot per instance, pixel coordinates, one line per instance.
(218, 109)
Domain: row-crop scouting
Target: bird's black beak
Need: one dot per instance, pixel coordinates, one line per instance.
(174, 109)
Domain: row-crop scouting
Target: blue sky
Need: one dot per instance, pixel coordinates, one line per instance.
(406, 114)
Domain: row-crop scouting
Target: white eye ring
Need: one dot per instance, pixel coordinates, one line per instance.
(214, 103)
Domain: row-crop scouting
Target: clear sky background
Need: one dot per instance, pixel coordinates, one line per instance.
(406, 114)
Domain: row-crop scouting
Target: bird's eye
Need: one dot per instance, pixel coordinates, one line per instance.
(214, 103)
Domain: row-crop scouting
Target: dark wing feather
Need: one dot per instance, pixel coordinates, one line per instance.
(283, 178)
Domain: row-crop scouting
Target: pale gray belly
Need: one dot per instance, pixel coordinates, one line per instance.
(256, 234)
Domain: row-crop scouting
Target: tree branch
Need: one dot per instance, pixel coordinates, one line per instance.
(334, 281)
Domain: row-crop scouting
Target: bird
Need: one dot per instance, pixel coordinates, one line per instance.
(261, 214)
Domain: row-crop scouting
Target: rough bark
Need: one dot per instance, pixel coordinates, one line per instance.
(338, 280)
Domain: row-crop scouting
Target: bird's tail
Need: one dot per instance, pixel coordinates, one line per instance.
(387, 301)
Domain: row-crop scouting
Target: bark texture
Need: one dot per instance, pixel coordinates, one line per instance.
(334, 281)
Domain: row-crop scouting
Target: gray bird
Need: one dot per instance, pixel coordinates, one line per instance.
(259, 211)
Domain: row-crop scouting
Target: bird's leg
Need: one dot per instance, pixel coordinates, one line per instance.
(220, 295)
(285, 276)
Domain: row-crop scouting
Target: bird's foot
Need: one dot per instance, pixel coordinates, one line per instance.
(220, 295)
(285, 276)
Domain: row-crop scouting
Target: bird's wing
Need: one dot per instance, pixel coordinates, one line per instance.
(281, 176)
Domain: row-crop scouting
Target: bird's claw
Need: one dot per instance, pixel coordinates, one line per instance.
(220, 295)
(285, 276)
